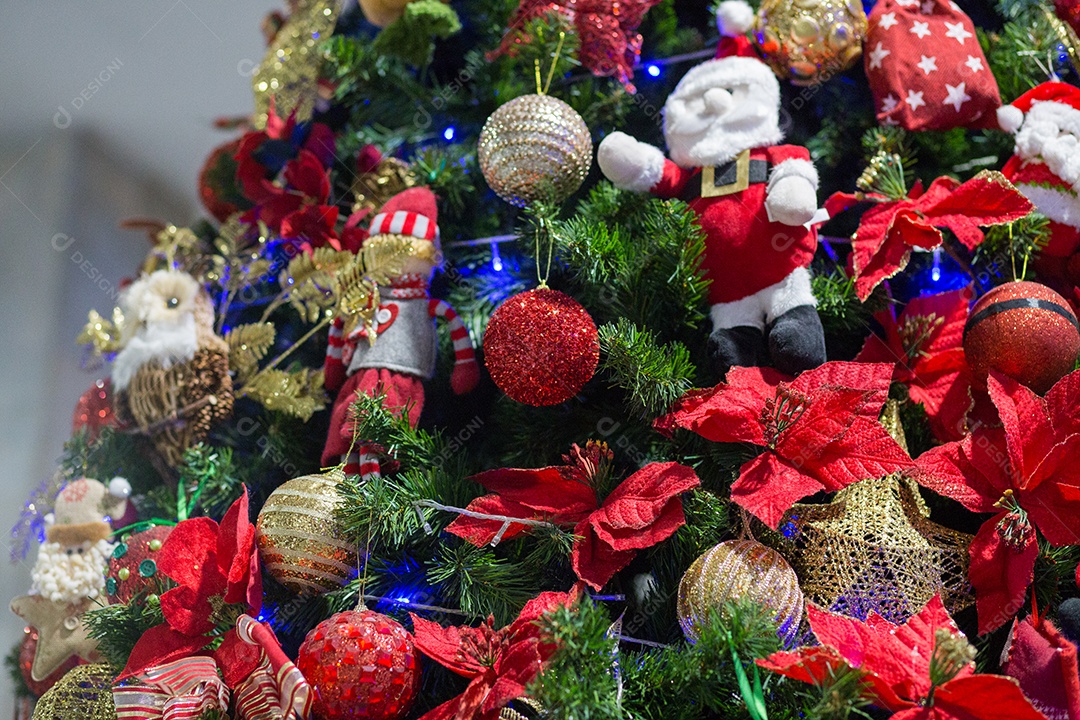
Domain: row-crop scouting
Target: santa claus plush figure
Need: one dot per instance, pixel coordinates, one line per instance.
(754, 197)
(1046, 169)
(401, 355)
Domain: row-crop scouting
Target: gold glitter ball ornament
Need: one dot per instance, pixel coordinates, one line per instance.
(809, 41)
(740, 569)
(535, 147)
(300, 542)
(84, 692)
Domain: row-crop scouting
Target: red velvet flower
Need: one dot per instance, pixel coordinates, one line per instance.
(920, 670)
(499, 663)
(1024, 471)
(641, 512)
(889, 230)
(306, 183)
(817, 432)
(262, 154)
(926, 345)
(214, 565)
(1044, 662)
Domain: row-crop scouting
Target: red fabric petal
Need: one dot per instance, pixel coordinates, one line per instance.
(551, 490)
(322, 144)
(1028, 432)
(515, 668)
(981, 697)
(866, 450)
(913, 230)
(313, 224)
(307, 175)
(814, 665)
(1062, 406)
(274, 208)
(871, 378)
(187, 611)
(443, 645)
(986, 199)
(525, 625)
(1054, 506)
(626, 519)
(447, 710)
(1000, 575)
(189, 556)
(235, 549)
(157, 646)
(593, 560)
(236, 658)
(889, 260)
(1044, 663)
(479, 531)
(729, 412)
(947, 471)
(768, 486)
(943, 386)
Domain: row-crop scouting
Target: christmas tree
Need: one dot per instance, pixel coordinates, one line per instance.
(587, 360)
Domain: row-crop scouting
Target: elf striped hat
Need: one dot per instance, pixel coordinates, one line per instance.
(411, 212)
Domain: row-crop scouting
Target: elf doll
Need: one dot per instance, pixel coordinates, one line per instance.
(402, 356)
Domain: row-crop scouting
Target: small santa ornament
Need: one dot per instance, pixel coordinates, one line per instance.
(1046, 169)
(69, 575)
(401, 353)
(756, 200)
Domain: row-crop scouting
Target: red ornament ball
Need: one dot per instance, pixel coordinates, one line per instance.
(1069, 11)
(133, 564)
(1024, 330)
(218, 189)
(94, 409)
(26, 661)
(541, 347)
(361, 665)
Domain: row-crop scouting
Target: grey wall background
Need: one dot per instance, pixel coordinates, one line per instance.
(106, 112)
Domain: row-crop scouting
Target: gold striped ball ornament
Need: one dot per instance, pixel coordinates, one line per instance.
(740, 569)
(300, 542)
(535, 147)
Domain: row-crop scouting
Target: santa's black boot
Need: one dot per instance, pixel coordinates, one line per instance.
(796, 340)
(742, 346)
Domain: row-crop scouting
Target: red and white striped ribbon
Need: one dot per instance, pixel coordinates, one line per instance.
(180, 690)
(276, 690)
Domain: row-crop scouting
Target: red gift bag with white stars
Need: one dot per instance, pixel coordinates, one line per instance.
(926, 69)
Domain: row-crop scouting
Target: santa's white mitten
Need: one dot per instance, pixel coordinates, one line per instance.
(628, 163)
(791, 195)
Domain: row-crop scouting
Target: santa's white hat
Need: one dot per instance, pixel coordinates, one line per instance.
(411, 212)
(1065, 96)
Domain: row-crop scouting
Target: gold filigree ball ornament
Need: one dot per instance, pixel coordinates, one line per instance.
(740, 569)
(300, 542)
(809, 41)
(84, 692)
(535, 147)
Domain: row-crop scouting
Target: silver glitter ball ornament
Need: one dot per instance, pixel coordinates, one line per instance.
(535, 147)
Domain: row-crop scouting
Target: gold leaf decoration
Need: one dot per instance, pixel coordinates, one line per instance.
(102, 335)
(298, 393)
(248, 344)
(382, 259)
(311, 283)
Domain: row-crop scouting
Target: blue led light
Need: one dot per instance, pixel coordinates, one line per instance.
(653, 69)
(448, 133)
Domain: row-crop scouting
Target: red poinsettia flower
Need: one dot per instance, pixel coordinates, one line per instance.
(499, 663)
(306, 183)
(888, 231)
(1024, 471)
(817, 432)
(261, 155)
(641, 512)
(1044, 662)
(920, 670)
(926, 345)
(214, 565)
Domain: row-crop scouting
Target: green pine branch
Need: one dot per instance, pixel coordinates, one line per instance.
(652, 375)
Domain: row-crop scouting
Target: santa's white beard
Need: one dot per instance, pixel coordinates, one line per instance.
(755, 127)
(71, 577)
(1049, 133)
(168, 343)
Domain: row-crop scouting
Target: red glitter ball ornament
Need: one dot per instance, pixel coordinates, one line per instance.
(26, 661)
(133, 564)
(1069, 11)
(1024, 330)
(541, 347)
(218, 189)
(361, 665)
(94, 409)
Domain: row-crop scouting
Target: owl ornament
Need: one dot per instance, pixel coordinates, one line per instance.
(171, 374)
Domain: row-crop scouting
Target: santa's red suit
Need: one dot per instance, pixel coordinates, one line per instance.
(745, 252)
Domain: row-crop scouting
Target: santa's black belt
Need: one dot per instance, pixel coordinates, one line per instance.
(731, 177)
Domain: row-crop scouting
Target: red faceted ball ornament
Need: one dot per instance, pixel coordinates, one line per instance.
(1024, 330)
(541, 347)
(361, 665)
(133, 564)
(94, 409)
(1069, 11)
(26, 662)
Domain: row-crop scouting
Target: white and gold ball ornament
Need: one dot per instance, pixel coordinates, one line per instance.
(535, 147)
(740, 569)
(809, 41)
(300, 542)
